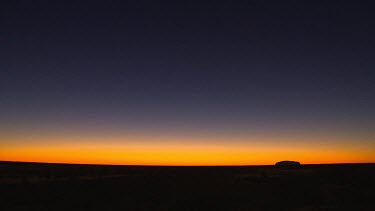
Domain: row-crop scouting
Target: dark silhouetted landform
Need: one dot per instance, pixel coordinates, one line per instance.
(288, 163)
(38, 186)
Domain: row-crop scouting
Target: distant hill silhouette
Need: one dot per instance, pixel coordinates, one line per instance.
(288, 163)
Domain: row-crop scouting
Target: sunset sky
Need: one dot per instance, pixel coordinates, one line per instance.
(187, 83)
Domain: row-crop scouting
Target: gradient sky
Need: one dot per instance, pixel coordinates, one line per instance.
(187, 83)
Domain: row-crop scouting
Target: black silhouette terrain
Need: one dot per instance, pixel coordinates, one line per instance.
(35, 186)
(288, 163)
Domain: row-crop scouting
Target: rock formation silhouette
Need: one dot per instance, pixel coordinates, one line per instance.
(288, 163)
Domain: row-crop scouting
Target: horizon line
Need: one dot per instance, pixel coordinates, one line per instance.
(108, 164)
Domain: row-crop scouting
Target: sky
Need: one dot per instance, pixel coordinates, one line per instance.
(187, 82)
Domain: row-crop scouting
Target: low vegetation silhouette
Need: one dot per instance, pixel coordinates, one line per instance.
(36, 186)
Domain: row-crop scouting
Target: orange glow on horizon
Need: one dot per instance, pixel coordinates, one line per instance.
(167, 151)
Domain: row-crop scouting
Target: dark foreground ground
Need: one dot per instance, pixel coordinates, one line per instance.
(33, 186)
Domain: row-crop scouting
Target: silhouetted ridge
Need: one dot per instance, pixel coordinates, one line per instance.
(288, 163)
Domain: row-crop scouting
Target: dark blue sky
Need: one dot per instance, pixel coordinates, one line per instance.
(205, 65)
